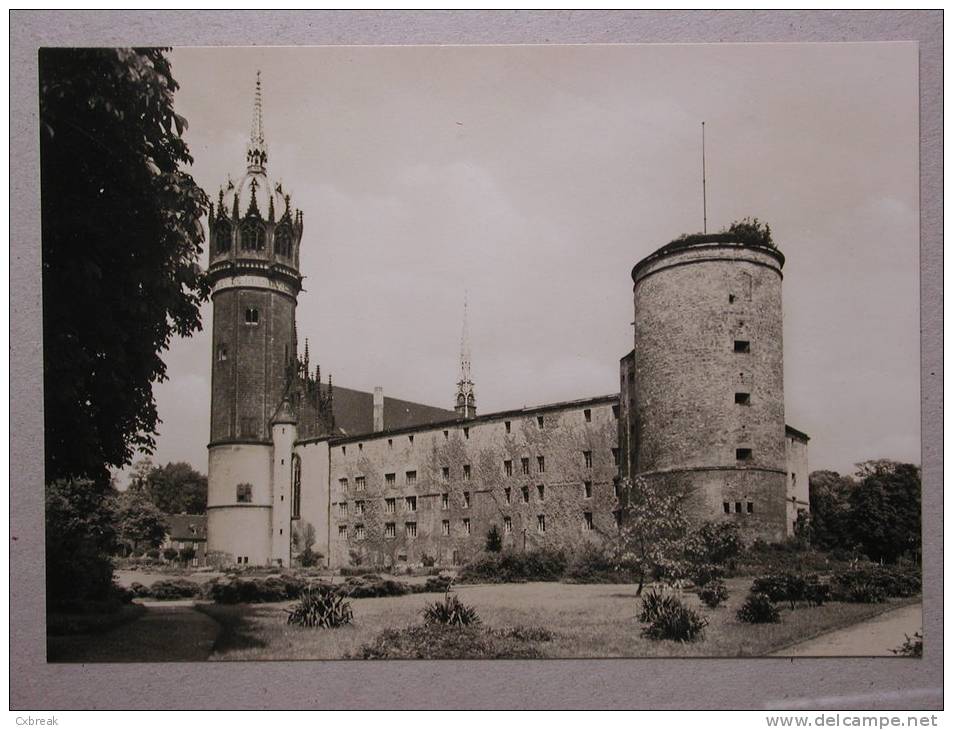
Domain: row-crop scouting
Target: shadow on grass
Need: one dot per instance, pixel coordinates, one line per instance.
(238, 631)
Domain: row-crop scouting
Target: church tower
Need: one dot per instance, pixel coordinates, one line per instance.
(254, 273)
(465, 404)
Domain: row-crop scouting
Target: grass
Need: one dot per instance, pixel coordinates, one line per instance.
(64, 624)
(595, 620)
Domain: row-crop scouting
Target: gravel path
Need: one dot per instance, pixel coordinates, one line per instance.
(165, 633)
(875, 637)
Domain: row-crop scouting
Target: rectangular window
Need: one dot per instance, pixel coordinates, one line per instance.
(243, 493)
(222, 353)
(507, 525)
(540, 492)
(524, 465)
(615, 456)
(248, 427)
(446, 435)
(360, 483)
(342, 509)
(410, 530)
(359, 507)
(343, 484)
(445, 527)
(390, 443)
(508, 468)
(466, 472)
(587, 458)
(539, 421)
(742, 346)
(411, 439)
(360, 447)
(616, 489)
(466, 526)
(344, 451)
(743, 399)
(466, 433)
(738, 507)
(750, 507)
(410, 504)
(342, 532)
(390, 506)
(507, 495)
(541, 464)
(587, 490)
(615, 412)
(587, 414)
(540, 524)
(793, 478)
(727, 507)
(508, 426)
(743, 454)
(390, 480)
(390, 529)
(411, 477)
(587, 521)
(444, 501)
(358, 532)
(445, 474)
(525, 494)
(466, 499)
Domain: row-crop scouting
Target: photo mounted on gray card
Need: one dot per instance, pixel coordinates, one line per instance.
(481, 351)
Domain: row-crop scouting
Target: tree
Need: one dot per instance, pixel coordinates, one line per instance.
(80, 536)
(177, 488)
(140, 522)
(494, 541)
(652, 531)
(830, 510)
(187, 554)
(121, 240)
(885, 509)
(712, 549)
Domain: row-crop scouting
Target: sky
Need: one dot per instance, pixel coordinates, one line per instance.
(532, 178)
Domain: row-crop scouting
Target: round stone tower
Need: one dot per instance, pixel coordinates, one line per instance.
(253, 271)
(708, 387)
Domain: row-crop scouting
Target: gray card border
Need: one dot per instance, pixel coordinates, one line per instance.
(815, 684)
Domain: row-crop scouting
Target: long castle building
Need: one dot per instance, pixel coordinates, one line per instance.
(382, 481)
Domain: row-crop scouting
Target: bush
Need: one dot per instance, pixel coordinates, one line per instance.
(428, 561)
(514, 567)
(592, 564)
(525, 633)
(309, 558)
(434, 584)
(170, 554)
(273, 589)
(706, 573)
(713, 594)
(431, 641)
(912, 646)
(174, 589)
(861, 593)
(151, 553)
(791, 587)
(674, 621)
(714, 544)
(895, 582)
(187, 554)
(373, 586)
(758, 609)
(320, 607)
(654, 603)
(817, 593)
(450, 612)
(139, 590)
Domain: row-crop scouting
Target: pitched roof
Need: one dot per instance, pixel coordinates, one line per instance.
(354, 412)
(187, 527)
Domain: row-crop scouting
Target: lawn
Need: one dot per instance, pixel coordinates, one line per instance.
(588, 620)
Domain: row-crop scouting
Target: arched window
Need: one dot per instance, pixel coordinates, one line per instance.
(295, 487)
(283, 241)
(251, 316)
(253, 236)
(222, 353)
(223, 238)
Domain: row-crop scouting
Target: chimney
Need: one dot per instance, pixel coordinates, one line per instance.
(378, 408)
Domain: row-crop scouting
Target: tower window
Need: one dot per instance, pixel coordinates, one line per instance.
(222, 353)
(358, 532)
(296, 487)
(539, 421)
(342, 509)
(743, 454)
(587, 457)
(587, 490)
(445, 474)
(541, 464)
(411, 438)
(390, 506)
(508, 468)
(615, 412)
(411, 477)
(390, 443)
(743, 399)
(283, 241)
(726, 506)
(390, 529)
(466, 472)
(508, 426)
(524, 464)
(446, 435)
(243, 493)
(507, 495)
(390, 480)
(445, 501)
(742, 346)
(541, 492)
(750, 507)
(525, 494)
(507, 525)
(466, 433)
(253, 237)
(360, 483)
(359, 507)
(445, 527)
(223, 238)
(251, 315)
(587, 521)
(466, 526)
(615, 456)
(738, 507)
(342, 532)
(587, 414)
(540, 524)
(410, 504)
(410, 530)
(343, 483)
(466, 499)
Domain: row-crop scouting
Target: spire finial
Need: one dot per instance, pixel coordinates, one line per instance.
(257, 154)
(466, 398)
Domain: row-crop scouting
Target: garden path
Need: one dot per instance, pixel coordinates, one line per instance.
(875, 637)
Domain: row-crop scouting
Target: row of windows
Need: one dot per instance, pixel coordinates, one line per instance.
(410, 476)
(410, 528)
(252, 238)
(507, 425)
(740, 507)
(410, 503)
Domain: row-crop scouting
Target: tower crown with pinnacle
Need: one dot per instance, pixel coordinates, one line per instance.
(465, 404)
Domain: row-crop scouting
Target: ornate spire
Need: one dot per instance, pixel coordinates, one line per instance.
(257, 154)
(466, 398)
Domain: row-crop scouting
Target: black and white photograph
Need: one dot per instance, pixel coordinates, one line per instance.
(481, 352)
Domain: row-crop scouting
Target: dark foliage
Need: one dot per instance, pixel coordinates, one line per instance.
(309, 558)
(714, 593)
(170, 553)
(515, 567)
(875, 583)
(373, 586)
(434, 584)
(885, 510)
(525, 633)
(674, 621)
(121, 241)
(177, 488)
(451, 611)
(273, 589)
(141, 524)
(449, 642)
(593, 564)
(80, 535)
(320, 607)
(705, 573)
(654, 603)
(758, 609)
(174, 589)
(714, 545)
(494, 540)
(911, 647)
